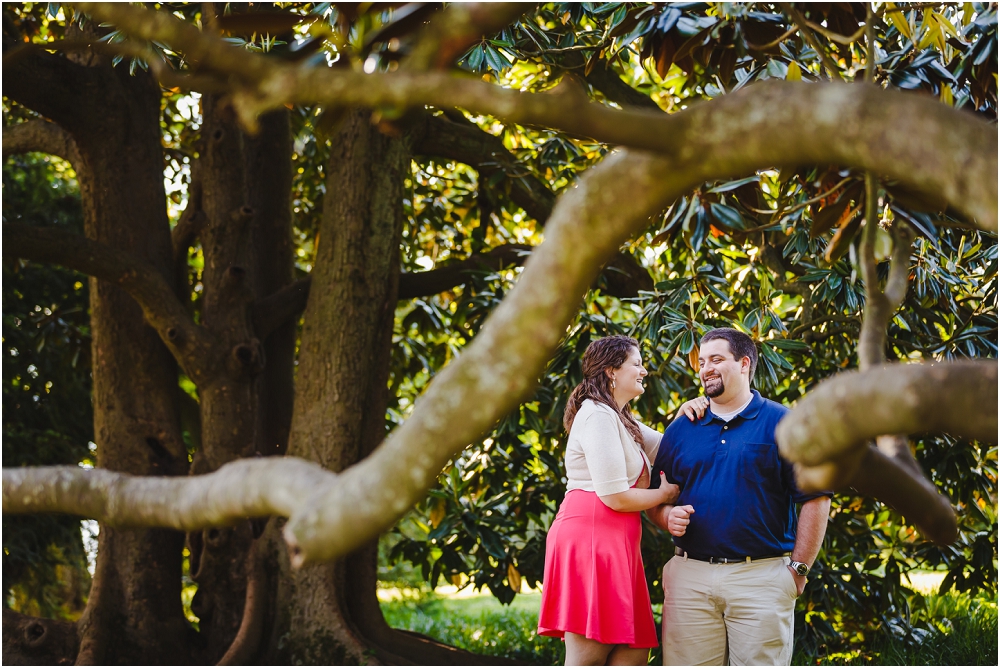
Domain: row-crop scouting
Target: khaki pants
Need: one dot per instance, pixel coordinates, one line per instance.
(738, 614)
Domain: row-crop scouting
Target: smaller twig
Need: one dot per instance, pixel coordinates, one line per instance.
(804, 327)
(836, 37)
(810, 38)
(803, 204)
(773, 43)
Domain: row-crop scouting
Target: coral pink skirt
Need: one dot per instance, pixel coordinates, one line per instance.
(594, 583)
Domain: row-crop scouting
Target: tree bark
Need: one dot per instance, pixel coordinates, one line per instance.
(343, 365)
(136, 587)
(269, 177)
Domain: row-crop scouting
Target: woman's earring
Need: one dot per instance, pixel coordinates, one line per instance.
(612, 383)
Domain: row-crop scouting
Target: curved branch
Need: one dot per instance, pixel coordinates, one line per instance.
(188, 342)
(623, 277)
(778, 123)
(435, 281)
(467, 143)
(258, 487)
(42, 136)
(844, 413)
(49, 84)
(247, 641)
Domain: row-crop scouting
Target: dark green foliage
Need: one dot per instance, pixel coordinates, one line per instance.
(774, 254)
(47, 416)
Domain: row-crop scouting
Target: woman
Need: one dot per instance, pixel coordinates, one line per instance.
(594, 594)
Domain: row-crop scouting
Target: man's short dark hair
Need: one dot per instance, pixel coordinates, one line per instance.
(740, 345)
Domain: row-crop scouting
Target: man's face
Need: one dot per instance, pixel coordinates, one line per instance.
(719, 370)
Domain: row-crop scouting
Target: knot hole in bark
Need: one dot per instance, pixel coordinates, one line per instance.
(34, 634)
(247, 359)
(242, 215)
(172, 334)
(215, 537)
(218, 135)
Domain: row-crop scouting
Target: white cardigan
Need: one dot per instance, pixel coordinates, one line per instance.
(601, 455)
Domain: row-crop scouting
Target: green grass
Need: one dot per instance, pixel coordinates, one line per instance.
(966, 631)
(479, 624)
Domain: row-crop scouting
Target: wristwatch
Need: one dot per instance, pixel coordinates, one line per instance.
(799, 567)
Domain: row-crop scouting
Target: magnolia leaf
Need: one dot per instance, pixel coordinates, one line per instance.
(842, 239)
(437, 513)
(513, 578)
(693, 359)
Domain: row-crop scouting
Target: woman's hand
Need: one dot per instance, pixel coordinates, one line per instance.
(694, 409)
(670, 491)
(635, 499)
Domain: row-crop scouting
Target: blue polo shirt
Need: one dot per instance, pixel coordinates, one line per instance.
(743, 493)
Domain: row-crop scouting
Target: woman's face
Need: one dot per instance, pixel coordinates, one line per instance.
(628, 378)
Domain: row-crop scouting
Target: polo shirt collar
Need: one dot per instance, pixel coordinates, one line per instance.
(748, 413)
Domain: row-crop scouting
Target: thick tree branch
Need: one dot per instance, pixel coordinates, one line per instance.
(778, 123)
(186, 340)
(41, 136)
(46, 83)
(844, 413)
(274, 310)
(871, 472)
(245, 488)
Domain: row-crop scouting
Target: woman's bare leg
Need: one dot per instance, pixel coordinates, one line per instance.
(582, 651)
(623, 655)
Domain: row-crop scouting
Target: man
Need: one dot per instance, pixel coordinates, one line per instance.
(741, 554)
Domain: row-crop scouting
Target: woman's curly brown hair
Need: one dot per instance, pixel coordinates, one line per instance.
(608, 353)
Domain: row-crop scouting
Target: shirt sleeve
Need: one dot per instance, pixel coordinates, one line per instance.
(662, 461)
(650, 441)
(602, 447)
(788, 476)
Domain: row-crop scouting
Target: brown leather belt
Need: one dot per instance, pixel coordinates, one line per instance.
(678, 552)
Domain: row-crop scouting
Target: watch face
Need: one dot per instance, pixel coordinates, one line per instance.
(801, 569)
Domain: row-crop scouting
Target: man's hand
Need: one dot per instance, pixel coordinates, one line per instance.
(800, 581)
(679, 519)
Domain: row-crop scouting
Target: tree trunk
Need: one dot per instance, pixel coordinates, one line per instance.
(134, 611)
(343, 369)
(269, 178)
